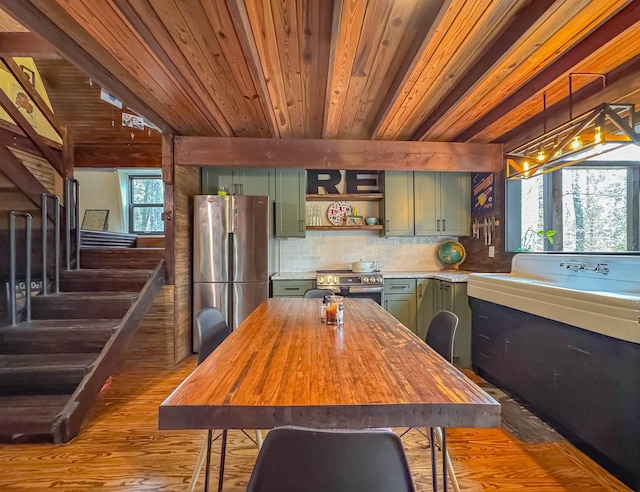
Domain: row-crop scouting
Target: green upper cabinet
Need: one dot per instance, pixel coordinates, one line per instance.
(398, 203)
(426, 203)
(290, 202)
(239, 181)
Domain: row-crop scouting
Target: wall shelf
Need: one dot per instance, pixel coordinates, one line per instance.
(377, 227)
(354, 197)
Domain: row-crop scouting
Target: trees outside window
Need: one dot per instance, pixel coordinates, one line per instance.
(146, 204)
(593, 210)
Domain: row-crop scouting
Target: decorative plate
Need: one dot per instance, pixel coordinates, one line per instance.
(337, 211)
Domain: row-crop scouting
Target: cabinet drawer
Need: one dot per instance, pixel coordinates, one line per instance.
(291, 288)
(400, 286)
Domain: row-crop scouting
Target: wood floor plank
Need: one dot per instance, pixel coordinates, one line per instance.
(121, 449)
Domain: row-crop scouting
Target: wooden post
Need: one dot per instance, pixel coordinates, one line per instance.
(167, 178)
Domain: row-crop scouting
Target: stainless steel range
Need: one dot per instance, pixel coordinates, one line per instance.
(351, 284)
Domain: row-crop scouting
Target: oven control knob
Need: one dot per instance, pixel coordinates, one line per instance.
(365, 280)
(335, 280)
(379, 280)
(321, 280)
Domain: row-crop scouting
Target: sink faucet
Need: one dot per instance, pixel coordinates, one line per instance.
(601, 268)
(575, 266)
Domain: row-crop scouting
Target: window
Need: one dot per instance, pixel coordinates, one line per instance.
(583, 209)
(146, 204)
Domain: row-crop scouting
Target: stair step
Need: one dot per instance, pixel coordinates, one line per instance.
(61, 335)
(75, 305)
(26, 374)
(101, 280)
(125, 258)
(32, 417)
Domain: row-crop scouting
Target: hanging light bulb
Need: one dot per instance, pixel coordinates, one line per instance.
(541, 155)
(576, 143)
(525, 167)
(597, 138)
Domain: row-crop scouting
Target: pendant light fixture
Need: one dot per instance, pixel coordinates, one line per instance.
(603, 129)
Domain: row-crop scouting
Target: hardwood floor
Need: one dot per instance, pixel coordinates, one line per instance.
(120, 449)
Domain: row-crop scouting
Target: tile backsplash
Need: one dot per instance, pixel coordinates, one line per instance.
(337, 249)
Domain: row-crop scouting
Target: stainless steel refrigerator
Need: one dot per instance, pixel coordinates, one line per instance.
(230, 256)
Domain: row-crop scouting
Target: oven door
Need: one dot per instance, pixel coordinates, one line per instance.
(359, 292)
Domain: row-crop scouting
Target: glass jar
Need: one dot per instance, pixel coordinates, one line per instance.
(334, 312)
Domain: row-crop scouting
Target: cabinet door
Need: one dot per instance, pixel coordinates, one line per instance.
(291, 288)
(290, 202)
(455, 204)
(213, 177)
(403, 308)
(425, 188)
(398, 203)
(425, 299)
(255, 182)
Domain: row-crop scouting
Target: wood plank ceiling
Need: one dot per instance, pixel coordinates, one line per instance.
(433, 70)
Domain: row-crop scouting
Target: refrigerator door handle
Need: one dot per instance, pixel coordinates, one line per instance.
(235, 219)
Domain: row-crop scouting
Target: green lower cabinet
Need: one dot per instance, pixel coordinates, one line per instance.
(425, 308)
(400, 301)
(291, 288)
(452, 296)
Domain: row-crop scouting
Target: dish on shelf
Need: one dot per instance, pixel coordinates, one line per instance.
(337, 212)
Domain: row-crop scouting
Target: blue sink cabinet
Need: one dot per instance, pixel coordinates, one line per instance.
(585, 383)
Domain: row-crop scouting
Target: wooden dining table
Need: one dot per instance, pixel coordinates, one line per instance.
(284, 366)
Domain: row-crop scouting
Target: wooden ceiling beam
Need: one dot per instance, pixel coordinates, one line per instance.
(240, 18)
(31, 91)
(521, 23)
(10, 137)
(15, 114)
(337, 154)
(108, 72)
(19, 175)
(118, 156)
(151, 29)
(621, 21)
(622, 86)
(26, 44)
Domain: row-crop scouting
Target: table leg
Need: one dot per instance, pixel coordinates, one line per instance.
(434, 477)
(444, 459)
(223, 452)
(206, 472)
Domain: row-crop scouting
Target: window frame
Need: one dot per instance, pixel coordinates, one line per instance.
(553, 218)
(133, 206)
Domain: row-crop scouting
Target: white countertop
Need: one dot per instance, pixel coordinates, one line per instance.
(448, 275)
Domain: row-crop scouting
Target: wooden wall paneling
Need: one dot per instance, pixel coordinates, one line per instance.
(39, 167)
(10, 137)
(477, 252)
(186, 185)
(510, 92)
(457, 33)
(53, 23)
(153, 343)
(168, 168)
(146, 155)
(609, 60)
(337, 154)
(13, 168)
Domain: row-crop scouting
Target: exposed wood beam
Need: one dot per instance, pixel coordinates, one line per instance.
(26, 44)
(119, 155)
(31, 91)
(10, 138)
(241, 22)
(31, 132)
(145, 21)
(109, 73)
(168, 168)
(19, 175)
(521, 23)
(337, 154)
(68, 161)
(620, 22)
(622, 86)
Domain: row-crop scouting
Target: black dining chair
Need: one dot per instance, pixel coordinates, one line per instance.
(440, 337)
(318, 293)
(212, 331)
(295, 459)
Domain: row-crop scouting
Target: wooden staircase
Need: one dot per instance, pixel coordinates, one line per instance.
(52, 368)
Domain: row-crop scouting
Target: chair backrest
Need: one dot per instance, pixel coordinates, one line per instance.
(295, 458)
(212, 330)
(441, 333)
(311, 293)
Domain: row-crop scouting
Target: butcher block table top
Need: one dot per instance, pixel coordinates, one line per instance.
(283, 366)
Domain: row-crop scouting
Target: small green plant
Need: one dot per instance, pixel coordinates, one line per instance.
(530, 234)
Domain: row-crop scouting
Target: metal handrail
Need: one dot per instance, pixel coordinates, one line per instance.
(12, 279)
(72, 190)
(45, 237)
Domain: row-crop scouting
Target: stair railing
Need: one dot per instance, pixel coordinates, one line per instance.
(46, 197)
(12, 280)
(72, 202)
